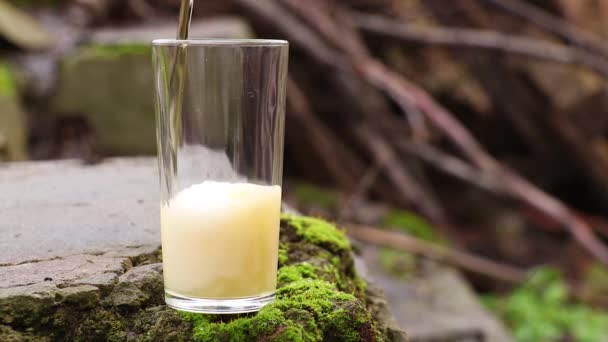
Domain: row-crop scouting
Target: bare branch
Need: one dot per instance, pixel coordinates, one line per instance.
(553, 24)
(436, 252)
(519, 188)
(406, 184)
(453, 166)
(481, 39)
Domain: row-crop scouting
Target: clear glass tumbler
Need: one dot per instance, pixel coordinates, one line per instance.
(220, 128)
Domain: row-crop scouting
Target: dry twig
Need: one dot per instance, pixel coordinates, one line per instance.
(480, 39)
(388, 160)
(436, 252)
(553, 24)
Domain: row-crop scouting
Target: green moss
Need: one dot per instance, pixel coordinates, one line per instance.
(541, 310)
(412, 224)
(158, 323)
(8, 87)
(315, 242)
(26, 311)
(305, 310)
(291, 273)
(9, 335)
(103, 324)
(316, 300)
(283, 254)
(318, 232)
(311, 195)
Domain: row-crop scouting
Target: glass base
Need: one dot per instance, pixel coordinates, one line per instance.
(217, 306)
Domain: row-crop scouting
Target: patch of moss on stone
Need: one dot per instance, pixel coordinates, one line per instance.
(412, 224)
(319, 296)
(315, 242)
(9, 335)
(291, 273)
(305, 310)
(26, 311)
(101, 325)
(283, 254)
(8, 86)
(158, 323)
(311, 195)
(318, 232)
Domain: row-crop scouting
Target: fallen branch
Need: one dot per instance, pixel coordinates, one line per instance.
(490, 182)
(436, 252)
(402, 90)
(480, 39)
(453, 166)
(563, 28)
(406, 184)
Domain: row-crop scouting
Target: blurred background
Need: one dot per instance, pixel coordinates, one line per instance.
(469, 132)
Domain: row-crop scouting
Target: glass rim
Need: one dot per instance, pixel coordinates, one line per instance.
(220, 42)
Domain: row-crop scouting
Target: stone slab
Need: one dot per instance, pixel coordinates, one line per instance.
(434, 303)
(51, 210)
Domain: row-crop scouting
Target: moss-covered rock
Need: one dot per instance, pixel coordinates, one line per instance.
(305, 310)
(120, 107)
(319, 298)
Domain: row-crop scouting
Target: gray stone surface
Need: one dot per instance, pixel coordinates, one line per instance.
(51, 210)
(71, 234)
(434, 303)
(136, 286)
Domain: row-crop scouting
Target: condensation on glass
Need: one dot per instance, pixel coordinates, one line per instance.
(220, 126)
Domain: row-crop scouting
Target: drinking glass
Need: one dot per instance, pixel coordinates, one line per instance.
(220, 110)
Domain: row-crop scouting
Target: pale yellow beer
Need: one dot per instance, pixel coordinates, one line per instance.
(220, 240)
